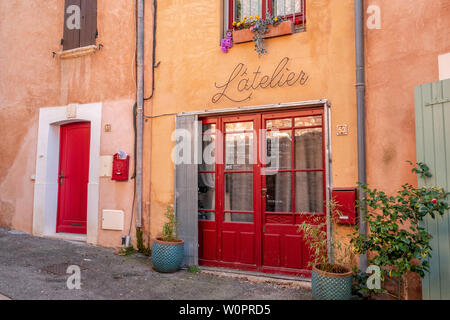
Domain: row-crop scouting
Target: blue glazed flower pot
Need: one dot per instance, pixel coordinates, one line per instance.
(167, 256)
(331, 286)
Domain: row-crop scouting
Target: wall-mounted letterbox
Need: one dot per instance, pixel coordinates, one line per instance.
(120, 168)
(345, 199)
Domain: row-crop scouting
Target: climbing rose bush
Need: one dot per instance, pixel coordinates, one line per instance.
(396, 234)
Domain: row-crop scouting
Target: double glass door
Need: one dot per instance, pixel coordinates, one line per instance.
(262, 175)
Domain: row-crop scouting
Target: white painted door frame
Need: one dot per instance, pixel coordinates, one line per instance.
(47, 164)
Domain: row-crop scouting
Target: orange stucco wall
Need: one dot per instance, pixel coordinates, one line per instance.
(400, 55)
(188, 37)
(31, 78)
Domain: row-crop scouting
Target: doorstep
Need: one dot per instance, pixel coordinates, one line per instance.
(67, 236)
(2, 297)
(283, 280)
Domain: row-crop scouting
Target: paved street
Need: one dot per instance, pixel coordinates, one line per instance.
(35, 268)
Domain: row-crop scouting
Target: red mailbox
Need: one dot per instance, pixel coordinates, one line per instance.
(120, 168)
(346, 204)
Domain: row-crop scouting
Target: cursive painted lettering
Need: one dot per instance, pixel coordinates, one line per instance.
(247, 82)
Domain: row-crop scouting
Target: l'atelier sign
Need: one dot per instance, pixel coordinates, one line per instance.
(240, 79)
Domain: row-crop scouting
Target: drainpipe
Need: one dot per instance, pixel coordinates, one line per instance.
(360, 105)
(140, 107)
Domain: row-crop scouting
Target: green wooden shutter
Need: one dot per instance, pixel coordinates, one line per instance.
(432, 113)
(186, 189)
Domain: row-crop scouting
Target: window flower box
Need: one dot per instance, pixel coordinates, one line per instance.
(246, 35)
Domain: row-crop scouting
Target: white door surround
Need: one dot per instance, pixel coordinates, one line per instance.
(47, 163)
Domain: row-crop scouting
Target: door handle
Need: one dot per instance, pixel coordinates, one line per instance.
(61, 177)
(263, 192)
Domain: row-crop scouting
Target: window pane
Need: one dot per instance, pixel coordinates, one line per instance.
(238, 217)
(279, 192)
(309, 192)
(239, 151)
(279, 123)
(279, 149)
(284, 7)
(206, 191)
(247, 8)
(308, 149)
(208, 153)
(206, 216)
(209, 128)
(238, 126)
(308, 121)
(239, 191)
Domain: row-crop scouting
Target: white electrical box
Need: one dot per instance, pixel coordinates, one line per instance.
(112, 219)
(106, 166)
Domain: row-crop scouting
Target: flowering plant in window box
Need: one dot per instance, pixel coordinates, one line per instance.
(257, 29)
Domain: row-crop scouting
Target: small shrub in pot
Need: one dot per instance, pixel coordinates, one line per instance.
(330, 279)
(168, 250)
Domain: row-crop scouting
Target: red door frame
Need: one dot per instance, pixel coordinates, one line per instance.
(73, 177)
(258, 183)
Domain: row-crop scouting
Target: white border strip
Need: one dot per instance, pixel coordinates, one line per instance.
(47, 163)
(299, 104)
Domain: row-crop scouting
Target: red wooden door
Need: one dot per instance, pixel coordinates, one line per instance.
(238, 177)
(251, 201)
(73, 177)
(293, 187)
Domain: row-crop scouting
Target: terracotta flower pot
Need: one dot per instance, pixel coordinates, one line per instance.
(246, 35)
(167, 256)
(331, 286)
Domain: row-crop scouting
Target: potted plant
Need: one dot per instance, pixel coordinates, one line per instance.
(398, 242)
(330, 279)
(168, 250)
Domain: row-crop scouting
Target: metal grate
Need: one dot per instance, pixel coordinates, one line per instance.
(59, 269)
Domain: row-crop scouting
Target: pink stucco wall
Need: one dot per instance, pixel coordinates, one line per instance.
(399, 56)
(31, 78)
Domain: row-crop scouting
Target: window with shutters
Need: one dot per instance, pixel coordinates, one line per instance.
(80, 23)
(236, 10)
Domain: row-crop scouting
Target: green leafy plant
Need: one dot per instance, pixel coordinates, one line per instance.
(194, 269)
(359, 286)
(314, 233)
(397, 240)
(170, 227)
(259, 27)
(141, 247)
(126, 251)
